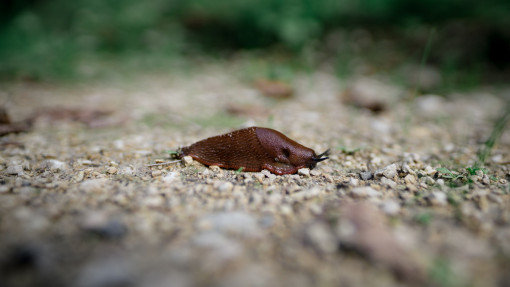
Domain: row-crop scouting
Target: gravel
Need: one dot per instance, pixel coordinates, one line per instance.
(106, 206)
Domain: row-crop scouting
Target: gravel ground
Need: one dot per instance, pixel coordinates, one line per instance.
(79, 205)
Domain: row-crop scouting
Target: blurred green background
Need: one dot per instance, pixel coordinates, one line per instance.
(58, 39)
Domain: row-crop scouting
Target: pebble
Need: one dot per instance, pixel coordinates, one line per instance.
(388, 182)
(4, 188)
(410, 179)
(429, 180)
(320, 237)
(112, 170)
(363, 192)
(108, 271)
(407, 169)
(353, 181)
(14, 169)
(235, 222)
(430, 170)
(170, 177)
(486, 180)
(365, 175)
(390, 207)
(188, 160)
(388, 171)
(315, 172)
(156, 173)
(54, 165)
(438, 198)
(304, 172)
(126, 170)
(101, 223)
(225, 187)
(223, 247)
(94, 185)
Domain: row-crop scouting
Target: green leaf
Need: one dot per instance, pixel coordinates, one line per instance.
(444, 170)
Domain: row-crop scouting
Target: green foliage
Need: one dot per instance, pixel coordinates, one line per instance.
(349, 151)
(424, 218)
(441, 273)
(497, 131)
(42, 39)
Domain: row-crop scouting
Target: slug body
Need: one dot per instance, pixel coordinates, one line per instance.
(253, 149)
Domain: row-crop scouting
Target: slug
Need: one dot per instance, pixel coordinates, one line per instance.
(254, 149)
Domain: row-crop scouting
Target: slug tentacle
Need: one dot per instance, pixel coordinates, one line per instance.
(319, 157)
(254, 149)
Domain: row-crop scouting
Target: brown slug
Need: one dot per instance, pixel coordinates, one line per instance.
(253, 149)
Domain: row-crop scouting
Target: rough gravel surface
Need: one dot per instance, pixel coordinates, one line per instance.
(80, 205)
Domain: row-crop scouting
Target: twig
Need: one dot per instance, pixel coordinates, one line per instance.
(163, 163)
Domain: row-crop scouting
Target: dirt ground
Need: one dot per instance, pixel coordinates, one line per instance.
(394, 205)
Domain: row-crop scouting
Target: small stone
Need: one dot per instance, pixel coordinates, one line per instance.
(440, 182)
(236, 222)
(225, 187)
(315, 172)
(112, 170)
(438, 198)
(430, 170)
(153, 201)
(79, 176)
(304, 172)
(215, 168)
(410, 179)
(407, 169)
(363, 192)
(494, 198)
(388, 171)
(353, 181)
(170, 177)
(4, 188)
(156, 173)
(366, 175)
(483, 203)
(54, 165)
(390, 207)
(101, 224)
(188, 160)
(94, 185)
(486, 180)
(320, 236)
(14, 169)
(388, 182)
(259, 177)
(126, 170)
(429, 180)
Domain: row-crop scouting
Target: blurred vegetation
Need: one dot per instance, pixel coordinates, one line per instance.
(41, 39)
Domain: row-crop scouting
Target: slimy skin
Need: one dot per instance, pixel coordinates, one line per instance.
(254, 149)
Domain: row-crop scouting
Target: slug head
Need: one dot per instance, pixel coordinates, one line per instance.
(288, 152)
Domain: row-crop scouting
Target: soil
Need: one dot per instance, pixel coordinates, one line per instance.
(87, 197)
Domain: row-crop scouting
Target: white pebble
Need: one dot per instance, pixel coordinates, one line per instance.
(364, 191)
(438, 198)
(388, 182)
(54, 165)
(390, 207)
(388, 171)
(14, 169)
(304, 172)
(315, 172)
(226, 186)
(410, 179)
(430, 170)
(170, 177)
(188, 160)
